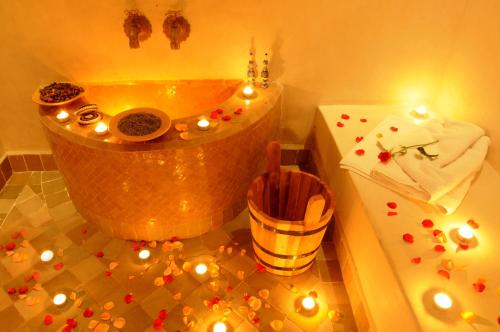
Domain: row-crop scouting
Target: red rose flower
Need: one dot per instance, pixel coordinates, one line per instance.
(384, 156)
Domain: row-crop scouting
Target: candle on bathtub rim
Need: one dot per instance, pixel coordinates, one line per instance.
(443, 301)
(203, 124)
(101, 129)
(248, 91)
(62, 116)
(144, 254)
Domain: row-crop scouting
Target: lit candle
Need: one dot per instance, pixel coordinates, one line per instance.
(46, 256)
(308, 303)
(144, 254)
(248, 91)
(466, 233)
(420, 112)
(219, 327)
(201, 269)
(203, 124)
(59, 299)
(443, 301)
(62, 116)
(101, 129)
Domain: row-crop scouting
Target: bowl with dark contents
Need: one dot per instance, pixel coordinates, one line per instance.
(139, 124)
(58, 93)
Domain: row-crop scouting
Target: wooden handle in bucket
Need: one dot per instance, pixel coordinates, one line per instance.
(314, 210)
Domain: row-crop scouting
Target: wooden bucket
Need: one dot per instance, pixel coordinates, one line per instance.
(282, 242)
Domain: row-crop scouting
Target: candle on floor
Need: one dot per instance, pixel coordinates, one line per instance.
(101, 129)
(465, 233)
(62, 116)
(308, 303)
(46, 255)
(443, 301)
(59, 299)
(201, 269)
(219, 327)
(203, 124)
(248, 91)
(144, 254)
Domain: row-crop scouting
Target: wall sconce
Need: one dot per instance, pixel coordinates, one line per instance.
(137, 28)
(176, 28)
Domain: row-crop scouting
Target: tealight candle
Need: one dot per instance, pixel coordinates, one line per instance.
(308, 303)
(466, 233)
(421, 110)
(248, 91)
(62, 116)
(219, 327)
(46, 255)
(203, 124)
(101, 129)
(201, 269)
(144, 254)
(443, 301)
(59, 299)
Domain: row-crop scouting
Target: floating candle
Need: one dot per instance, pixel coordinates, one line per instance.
(201, 269)
(219, 327)
(248, 91)
(466, 233)
(203, 124)
(59, 299)
(308, 303)
(46, 256)
(101, 129)
(443, 300)
(144, 254)
(62, 116)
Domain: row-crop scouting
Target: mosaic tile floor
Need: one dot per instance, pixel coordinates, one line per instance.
(97, 273)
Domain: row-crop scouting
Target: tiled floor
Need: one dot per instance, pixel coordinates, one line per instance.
(37, 214)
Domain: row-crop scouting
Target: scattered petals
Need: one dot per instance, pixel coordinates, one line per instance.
(360, 152)
(463, 246)
(88, 313)
(48, 319)
(363, 120)
(427, 223)
(384, 157)
(359, 139)
(219, 110)
(108, 273)
(392, 213)
(128, 298)
(472, 224)
(11, 291)
(168, 279)
(58, 266)
(340, 124)
(162, 314)
(439, 248)
(416, 260)
(238, 111)
(479, 286)
(261, 268)
(99, 254)
(71, 322)
(213, 115)
(10, 246)
(23, 290)
(226, 117)
(392, 205)
(444, 273)
(394, 129)
(407, 237)
(84, 231)
(158, 324)
(345, 116)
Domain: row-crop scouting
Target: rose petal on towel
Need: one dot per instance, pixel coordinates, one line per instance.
(360, 152)
(392, 205)
(439, 248)
(394, 129)
(359, 139)
(427, 223)
(479, 286)
(407, 237)
(444, 273)
(384, 156)
(340, 124)
(472, 223)
(345, 116)
(392, 213)
(416, 260)
(363, 120)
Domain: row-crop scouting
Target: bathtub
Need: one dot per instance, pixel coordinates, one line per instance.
(167, 187)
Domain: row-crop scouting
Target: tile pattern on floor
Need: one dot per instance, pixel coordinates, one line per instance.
(93, 270)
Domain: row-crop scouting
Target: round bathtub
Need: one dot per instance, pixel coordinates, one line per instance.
(169, 186)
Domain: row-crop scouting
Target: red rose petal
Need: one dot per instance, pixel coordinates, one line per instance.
(162, 314)
(479, 287)
(136, 246)
(88, 312)
(143, 243)
(10, 246)
(168, 279)
(11, 291)
(427, 223)
(360, 152)
(463, 246)
(23, 290)
(108, 273)
(219, 110)
(238, 111)
(345, 116)
(359, 139)
(58, 266)
(72, 322)
(128, 298)
(437, 232)
(444, 273)
(174, 239)
(158, 324)
(384, 156)
(229, 289)
(246, 296)
(226, 117)
(439, 248)
(99, 254)
(214, 115)
(407, 237)
(67, 328)
(35, 275)
(363, 120)
(340, 124)
(394, 129)
(498, 320)
(48, 319)
(472, 224)
(260, 268)
(392, 213)
(84, 231)
(392, 205)
(256, 321)
(313, 294)
(416, 260)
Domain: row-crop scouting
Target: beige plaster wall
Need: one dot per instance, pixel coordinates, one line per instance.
(323, 51)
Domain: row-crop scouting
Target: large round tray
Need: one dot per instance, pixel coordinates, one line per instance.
(36, 97)
(165, 124)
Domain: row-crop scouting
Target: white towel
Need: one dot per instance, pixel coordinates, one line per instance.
(444, 181)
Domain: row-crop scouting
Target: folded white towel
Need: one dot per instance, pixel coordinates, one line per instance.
(444, 181)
